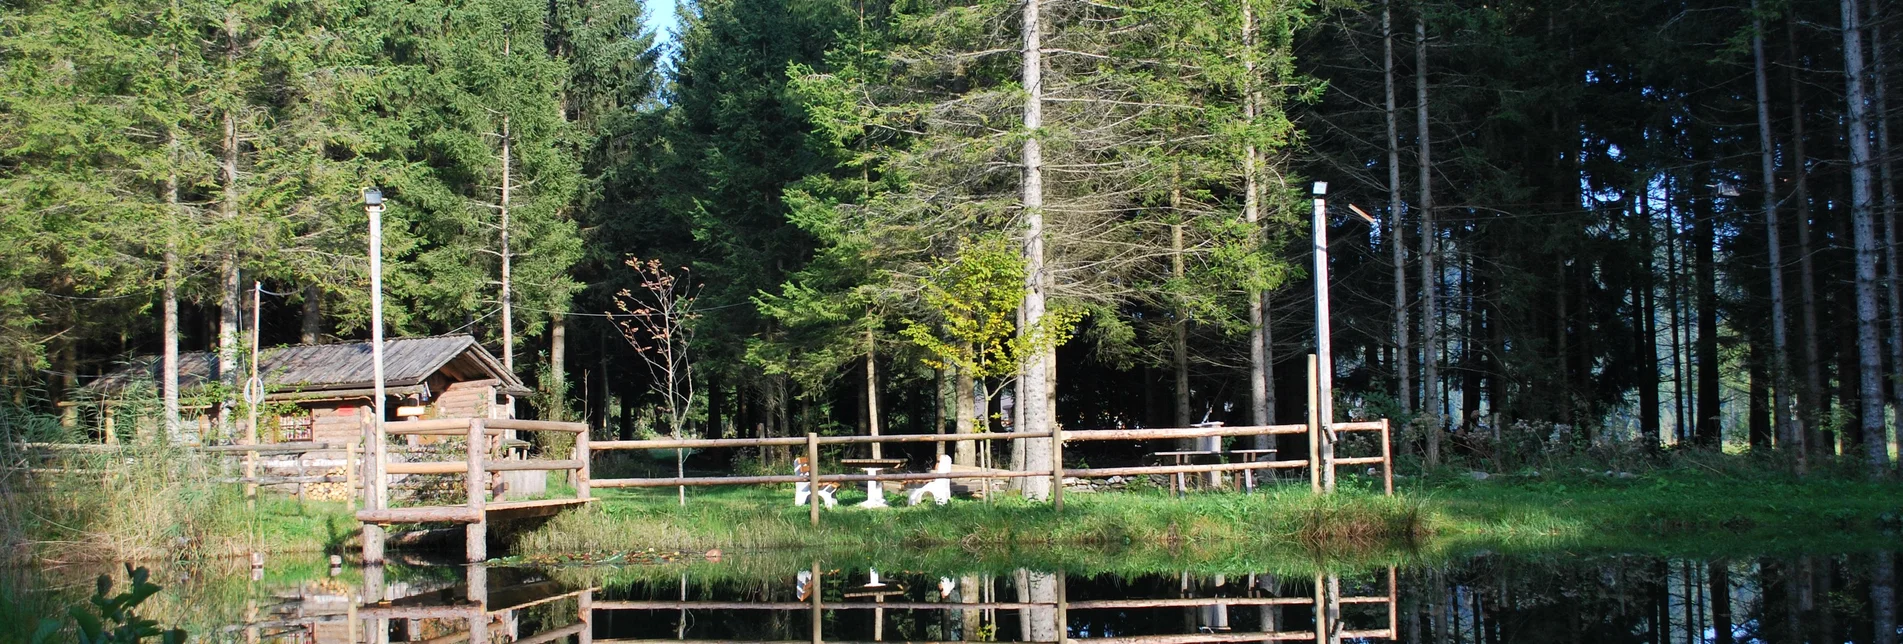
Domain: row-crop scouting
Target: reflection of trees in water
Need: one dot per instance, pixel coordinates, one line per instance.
(1654, 600)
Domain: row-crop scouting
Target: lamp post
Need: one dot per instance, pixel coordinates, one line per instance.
(374, 486)
(1324, 354)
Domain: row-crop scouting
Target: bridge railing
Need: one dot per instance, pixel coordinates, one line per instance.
(478, 461)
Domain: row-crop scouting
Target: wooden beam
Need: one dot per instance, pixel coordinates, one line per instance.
(536, 425)
(426, 467)
(427, 514)
(526, 465)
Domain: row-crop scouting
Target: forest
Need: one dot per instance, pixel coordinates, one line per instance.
(1635, 222)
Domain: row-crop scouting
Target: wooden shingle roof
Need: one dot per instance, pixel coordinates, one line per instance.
(341, 366)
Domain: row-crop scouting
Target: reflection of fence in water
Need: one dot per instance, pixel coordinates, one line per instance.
(1326, 602)
(491, 604)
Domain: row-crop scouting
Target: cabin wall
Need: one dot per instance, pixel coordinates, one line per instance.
(336, 421)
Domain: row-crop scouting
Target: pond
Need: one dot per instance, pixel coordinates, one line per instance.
(1480, 598)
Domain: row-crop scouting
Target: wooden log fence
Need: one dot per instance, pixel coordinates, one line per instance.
(1053, 470)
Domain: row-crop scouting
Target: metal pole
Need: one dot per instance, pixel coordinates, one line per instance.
(1324, 383)
(375, 490)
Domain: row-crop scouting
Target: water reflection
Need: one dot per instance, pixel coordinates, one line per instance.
(1481, 599)
(843, 606)
(528, 606)
(1653, 600)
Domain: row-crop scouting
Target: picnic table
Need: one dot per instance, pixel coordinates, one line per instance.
(875, 493)
(1252, 456)
(1179, 483)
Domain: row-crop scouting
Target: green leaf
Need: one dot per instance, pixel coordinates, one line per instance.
(90, 629)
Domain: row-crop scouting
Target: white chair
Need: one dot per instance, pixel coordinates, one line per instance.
(940, 489)
(804, 489)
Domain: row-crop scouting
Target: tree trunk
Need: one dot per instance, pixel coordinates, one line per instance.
(872, 390)
(1758, 414)
(1709, 430)
(1814, 403)
(228, 322)
(168, 367)
(1646, 298)
(1259, 394)
(965, 393)
(1788, 434)
(1862, 197)
(1396, 232)
(1035, 383)
(1883, 597)
(507, 296)
(558, 367)
(1430, 276)
(1672, 301)
(1179, 348)
(311, 319)
(1886, 180)
(938, 408)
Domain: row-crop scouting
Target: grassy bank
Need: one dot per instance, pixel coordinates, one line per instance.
(752, 518)
(1693, 506)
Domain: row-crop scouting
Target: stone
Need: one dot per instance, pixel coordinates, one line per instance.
(1479, 476)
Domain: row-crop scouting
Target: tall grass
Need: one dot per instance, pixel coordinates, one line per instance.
(150, 501)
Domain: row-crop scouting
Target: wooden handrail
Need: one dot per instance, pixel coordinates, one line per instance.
(535, 425)
(529, 465)
(710, 443)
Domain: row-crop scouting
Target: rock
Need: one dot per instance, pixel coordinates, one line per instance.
(1479, 476)
(1116, 480)
(1072, 480)
(1625, 475)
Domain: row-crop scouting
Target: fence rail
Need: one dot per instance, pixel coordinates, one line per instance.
(1054, 470)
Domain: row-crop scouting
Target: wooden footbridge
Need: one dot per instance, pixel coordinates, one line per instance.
(486, 453)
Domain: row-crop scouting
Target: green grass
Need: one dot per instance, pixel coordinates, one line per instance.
(1690, 506)
(753, 518)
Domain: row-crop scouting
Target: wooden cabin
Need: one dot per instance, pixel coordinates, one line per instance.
(322, 392)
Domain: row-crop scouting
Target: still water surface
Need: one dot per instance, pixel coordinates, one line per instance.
(1478, 598)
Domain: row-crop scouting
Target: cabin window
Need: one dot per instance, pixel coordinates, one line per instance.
(294, 426)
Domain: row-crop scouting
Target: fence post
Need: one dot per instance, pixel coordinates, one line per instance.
(1057, 468)
(1314, 428)
(476, 535)
(582, 454)
(1321, 592)
(813, 585)
(812, 479)
(350, 477)
(1387, 457)
(372, 470)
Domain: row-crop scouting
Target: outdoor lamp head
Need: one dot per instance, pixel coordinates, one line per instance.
(372, 197)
